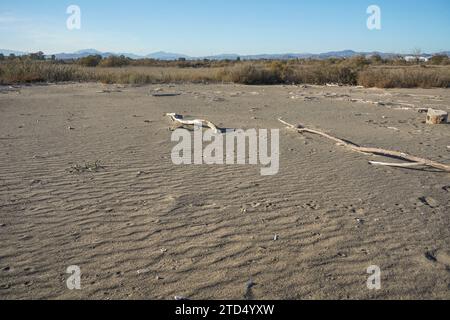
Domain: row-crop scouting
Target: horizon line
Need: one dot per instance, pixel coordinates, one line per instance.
(86, 51)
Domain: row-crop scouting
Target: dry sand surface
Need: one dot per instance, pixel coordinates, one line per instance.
(143, 228)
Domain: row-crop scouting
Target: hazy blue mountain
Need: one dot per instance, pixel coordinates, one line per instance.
(445, 52)
(88, 52)
(161, 55)
(338, 54)
(224, 56)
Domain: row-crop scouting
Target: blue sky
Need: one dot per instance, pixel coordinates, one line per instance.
(205, 27)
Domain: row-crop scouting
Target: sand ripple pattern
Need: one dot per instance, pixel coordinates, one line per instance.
(143, 228)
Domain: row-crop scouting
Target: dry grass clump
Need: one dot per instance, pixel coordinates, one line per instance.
(28, 71)
(407, 77)
(154, 75)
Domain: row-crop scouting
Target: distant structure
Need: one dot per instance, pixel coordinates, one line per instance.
(415, 58)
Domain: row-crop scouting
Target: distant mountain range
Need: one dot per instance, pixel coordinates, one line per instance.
(161, 55)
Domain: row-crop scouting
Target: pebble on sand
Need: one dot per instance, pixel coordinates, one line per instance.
(433, 203)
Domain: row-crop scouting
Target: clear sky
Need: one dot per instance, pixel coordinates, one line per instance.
(206, 27)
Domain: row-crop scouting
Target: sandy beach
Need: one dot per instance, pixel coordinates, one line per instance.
(140, 227)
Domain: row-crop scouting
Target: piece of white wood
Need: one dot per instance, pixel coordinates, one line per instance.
(436, 116)
(180, 120)
(399, 165)
(376, 151)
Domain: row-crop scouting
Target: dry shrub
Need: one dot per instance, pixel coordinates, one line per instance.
(321, 75)
(253, 74)
(115, 61)
(90, 61)
(405, 77)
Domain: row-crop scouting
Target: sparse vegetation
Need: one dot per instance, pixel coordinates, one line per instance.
(406, 77)
(369, 72)
(87, 167)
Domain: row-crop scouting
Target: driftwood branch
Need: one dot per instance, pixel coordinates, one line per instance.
(414, 161)
(399, 165)
(181, 121)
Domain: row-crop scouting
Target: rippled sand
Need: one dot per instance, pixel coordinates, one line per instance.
(143, 228)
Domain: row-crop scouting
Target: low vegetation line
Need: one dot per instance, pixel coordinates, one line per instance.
(367, 72)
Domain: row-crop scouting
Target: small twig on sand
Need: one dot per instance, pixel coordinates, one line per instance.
(414, 161)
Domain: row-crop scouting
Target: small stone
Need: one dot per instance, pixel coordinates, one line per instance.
(141, 271)
(276, 237)
(430, 202)
(33, 182)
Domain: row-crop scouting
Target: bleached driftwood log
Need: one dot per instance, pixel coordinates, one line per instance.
(414, 161)
(436, 116)
(179, 119)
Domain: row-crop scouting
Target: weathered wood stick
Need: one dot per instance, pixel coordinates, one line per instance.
(377, 151)
(400, 165)
(179, 119)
